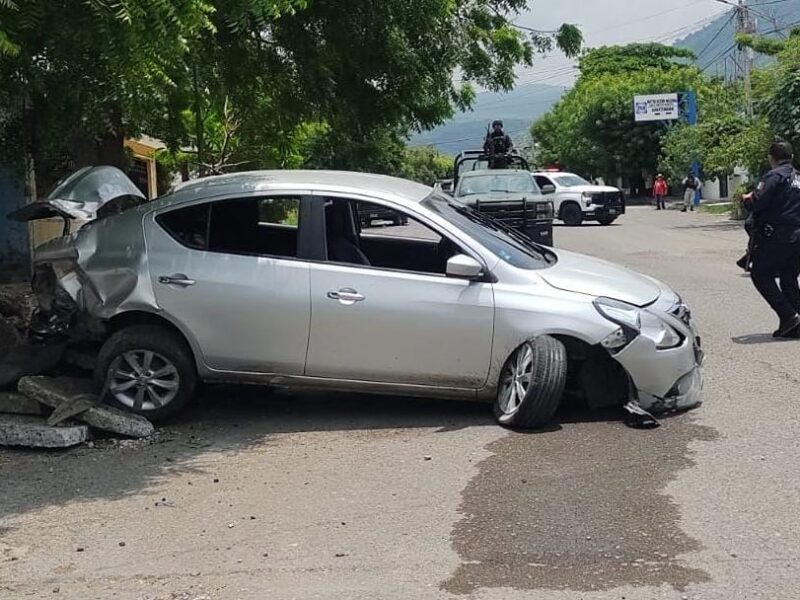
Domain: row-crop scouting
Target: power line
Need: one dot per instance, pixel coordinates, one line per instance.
(714, 39)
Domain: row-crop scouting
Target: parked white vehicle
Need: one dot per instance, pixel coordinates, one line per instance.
(576, 200)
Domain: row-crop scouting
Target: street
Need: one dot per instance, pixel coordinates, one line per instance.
(258, 495)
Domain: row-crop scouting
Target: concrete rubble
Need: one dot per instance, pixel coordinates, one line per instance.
(44, 410)
(34, 432)
(55, 391)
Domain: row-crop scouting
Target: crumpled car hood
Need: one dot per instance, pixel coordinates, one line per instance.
(595, 277)
(82, 195)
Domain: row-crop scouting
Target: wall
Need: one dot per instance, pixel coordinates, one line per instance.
(14, 241)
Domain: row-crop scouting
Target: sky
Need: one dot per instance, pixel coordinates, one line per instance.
(605, 22)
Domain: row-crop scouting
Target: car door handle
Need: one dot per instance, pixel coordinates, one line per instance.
(178, 279)
(346, 296)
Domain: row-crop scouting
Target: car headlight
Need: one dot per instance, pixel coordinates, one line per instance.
(627, 316)
(587, 198)
(633, 321)
(662, 333)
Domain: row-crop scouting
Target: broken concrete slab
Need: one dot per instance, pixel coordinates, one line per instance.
(33, 432)
(19, 404)
(53, 391)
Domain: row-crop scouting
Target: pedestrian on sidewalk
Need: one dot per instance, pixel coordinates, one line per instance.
(776, 239)
(660, 191)
(690, 184)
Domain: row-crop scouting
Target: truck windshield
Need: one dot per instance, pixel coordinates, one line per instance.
(506, 243)
(508, 183)
(571, 180)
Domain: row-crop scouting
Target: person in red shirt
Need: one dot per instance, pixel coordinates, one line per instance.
(660, 192)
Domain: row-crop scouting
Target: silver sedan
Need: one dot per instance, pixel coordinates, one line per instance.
(268, 277)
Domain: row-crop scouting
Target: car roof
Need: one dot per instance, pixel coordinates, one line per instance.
(248, 182)
(480, 172)
(554, 173)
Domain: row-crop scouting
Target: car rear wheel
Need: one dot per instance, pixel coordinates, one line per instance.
(606, 220)
(532, 383)
(147, 370)
(571, 214)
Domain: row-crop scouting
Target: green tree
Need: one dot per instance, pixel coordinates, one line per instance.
(425, 164)
(187, 71)
(592, 129)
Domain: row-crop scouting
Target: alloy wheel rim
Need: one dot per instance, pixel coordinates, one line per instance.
(516, 380)
(143, 380)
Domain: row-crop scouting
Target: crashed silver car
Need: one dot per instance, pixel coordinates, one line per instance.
(268, 277)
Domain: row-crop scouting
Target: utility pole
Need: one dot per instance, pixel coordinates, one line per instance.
(746, 24)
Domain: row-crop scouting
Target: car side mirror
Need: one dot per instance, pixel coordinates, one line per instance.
(548, 189)
(464, 267)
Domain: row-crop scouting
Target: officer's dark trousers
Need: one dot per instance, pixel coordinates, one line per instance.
(771, 260)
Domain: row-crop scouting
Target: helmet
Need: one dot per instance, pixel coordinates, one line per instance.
(497, 122)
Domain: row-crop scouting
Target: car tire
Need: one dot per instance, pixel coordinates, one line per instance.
(571, 214)
(606, 220)
(531, 384)
(128, 352)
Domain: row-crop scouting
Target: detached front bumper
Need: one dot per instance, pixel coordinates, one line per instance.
(670, 379)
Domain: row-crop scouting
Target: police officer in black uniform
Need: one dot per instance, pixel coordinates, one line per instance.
(775, 205)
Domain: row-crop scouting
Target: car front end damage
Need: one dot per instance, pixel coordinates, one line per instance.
(660, 349)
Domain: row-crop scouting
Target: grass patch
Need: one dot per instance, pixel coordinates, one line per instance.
(722, 208)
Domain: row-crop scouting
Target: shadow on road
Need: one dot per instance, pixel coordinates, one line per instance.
(712, 226)
(760, 338)
(223, 419)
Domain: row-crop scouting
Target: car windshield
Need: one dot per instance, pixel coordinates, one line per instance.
(570, 180)
(509, 245)
(513, 183)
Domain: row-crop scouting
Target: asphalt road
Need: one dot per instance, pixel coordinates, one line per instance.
(258, 496)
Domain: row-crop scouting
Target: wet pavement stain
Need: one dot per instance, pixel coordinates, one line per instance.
(582, 508)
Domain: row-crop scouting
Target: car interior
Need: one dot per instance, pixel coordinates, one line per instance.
(243, 226)
(395, 248)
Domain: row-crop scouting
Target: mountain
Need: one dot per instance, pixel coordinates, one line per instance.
(713, 44)
(517, 109)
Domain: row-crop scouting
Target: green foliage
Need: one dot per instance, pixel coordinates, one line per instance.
(632, 58)
(592, 129)
(425, 164)
(762, 45)
(250, 83)
(719, 144)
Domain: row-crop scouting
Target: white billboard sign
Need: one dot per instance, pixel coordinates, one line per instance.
(656, 107)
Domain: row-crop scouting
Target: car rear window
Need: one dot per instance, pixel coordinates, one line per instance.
(189, 225)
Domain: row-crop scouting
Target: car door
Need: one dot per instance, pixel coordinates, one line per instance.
(227, 272)
(409, 325)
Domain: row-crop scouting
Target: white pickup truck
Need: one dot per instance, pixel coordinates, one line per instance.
(576, 200)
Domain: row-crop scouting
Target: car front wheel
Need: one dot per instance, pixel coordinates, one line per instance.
(146, 369)
(532, 383)
(571, 214)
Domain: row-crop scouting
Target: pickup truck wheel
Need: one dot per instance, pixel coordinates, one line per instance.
(606, 220)
(532, 383)
(147, 370)
(571, 214)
